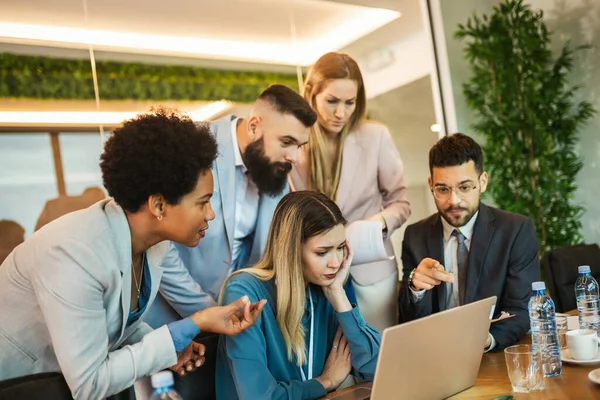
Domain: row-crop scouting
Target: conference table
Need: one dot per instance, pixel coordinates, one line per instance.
(492, 381)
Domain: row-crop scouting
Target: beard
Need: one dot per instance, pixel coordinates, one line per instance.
(458, 220)
(270, 177)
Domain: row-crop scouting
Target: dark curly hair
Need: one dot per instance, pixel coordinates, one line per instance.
(159, 152)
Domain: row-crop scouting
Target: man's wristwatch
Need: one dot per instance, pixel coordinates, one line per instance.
(410, 279)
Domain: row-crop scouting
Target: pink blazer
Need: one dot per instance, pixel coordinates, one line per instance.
(371, 182)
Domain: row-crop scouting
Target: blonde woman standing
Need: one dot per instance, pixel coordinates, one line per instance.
(356, 163)
(309, 337)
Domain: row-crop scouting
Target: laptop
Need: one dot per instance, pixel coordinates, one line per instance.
(430, 358)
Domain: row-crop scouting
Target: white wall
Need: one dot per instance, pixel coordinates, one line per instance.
(411, 61)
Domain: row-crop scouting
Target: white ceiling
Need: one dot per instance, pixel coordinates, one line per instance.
(318, 23)
(256, 20)
(410, 23)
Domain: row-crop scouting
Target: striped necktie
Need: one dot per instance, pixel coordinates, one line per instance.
(462, 255)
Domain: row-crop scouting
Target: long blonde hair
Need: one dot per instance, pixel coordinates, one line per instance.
(298, 217)
(331, 66)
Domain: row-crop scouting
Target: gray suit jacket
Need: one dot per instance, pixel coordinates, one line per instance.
(65, 297)
(209, 262)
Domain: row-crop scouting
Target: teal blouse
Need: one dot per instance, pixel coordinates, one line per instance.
(254, 364)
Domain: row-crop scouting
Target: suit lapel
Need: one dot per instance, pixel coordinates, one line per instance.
(435, 250)
(350, 163)
(483, 231)
(225, 171)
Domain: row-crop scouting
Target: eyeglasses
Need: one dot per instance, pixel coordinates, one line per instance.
(443, 193)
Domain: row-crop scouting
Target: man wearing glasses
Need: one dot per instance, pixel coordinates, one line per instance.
(468, 251)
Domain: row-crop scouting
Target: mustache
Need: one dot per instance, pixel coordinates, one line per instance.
(455, 209)
(285, 166)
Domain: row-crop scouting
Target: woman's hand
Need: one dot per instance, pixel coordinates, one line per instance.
(338, 364)
(230, 319)
(189, 358)
(344, 271)
(335, 292)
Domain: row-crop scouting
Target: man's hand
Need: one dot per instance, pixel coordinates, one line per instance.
(429, 274)
(189, 358)
(230, 319)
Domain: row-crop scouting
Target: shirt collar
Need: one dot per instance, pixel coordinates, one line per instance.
(239, 162)
(466, 230)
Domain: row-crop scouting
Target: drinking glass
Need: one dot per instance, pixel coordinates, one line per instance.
(561, 328)
(524, 369)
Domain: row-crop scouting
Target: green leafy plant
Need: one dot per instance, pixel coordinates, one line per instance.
(51, 78)
(528, 116)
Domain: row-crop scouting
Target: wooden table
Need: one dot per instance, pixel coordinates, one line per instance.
(492, 381)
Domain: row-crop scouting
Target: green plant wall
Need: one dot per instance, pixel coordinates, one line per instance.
(52, 78)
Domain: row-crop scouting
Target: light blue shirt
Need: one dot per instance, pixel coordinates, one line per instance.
(254, 364)
(247, 198)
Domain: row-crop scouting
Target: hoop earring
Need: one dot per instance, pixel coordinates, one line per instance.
(159, 217)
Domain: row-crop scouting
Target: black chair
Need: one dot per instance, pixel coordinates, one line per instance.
(46, 386)
(200, 384)
(560, 270)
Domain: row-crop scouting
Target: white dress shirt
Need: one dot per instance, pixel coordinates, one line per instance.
(246, 201)
(451, 263)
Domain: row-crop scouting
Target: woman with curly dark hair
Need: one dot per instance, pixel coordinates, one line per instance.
(74, 294)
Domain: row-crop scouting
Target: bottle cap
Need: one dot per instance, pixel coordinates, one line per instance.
(162, 379)
(538, 286)
(584, 269)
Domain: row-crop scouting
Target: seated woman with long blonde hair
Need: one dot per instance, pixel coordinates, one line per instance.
(309, 337)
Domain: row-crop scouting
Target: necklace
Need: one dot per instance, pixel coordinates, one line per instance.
(138, 285)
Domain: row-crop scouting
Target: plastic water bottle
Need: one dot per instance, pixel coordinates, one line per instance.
(163, 382)
(544, 337)
(588, 301)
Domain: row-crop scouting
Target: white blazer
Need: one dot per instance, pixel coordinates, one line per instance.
(65, 295)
